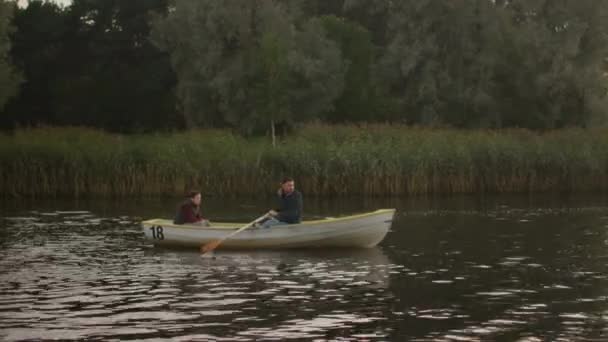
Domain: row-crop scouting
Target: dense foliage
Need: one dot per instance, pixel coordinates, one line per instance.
(149, 65)
(326, 160)
(9, 78)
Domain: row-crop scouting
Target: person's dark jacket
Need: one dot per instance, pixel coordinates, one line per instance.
(187, 212)
(290, 207)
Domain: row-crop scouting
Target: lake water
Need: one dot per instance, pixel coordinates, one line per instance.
(457, 269)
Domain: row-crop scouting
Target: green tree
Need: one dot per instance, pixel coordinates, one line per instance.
(37, 51)
(371, 14)
(116, 78)
(9, 78)
(439, 61)
(242, 62)
(477, 63)
(551, 62)
(357, 101)
(91, 63)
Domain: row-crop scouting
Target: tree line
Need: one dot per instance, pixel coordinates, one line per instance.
(257, 65)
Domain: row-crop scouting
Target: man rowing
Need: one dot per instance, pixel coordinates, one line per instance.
(289, 209)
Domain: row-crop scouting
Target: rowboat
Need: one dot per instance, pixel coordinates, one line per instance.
(362, 230)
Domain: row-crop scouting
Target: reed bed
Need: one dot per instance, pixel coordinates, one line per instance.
(372, 160)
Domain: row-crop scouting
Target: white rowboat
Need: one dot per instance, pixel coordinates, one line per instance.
(362, 230)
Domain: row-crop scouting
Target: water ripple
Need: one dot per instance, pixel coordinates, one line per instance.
(72, 275)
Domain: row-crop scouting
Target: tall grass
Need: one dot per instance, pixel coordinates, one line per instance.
(325, 160)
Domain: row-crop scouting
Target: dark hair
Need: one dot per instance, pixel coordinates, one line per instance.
(286, 179)
(192, 193)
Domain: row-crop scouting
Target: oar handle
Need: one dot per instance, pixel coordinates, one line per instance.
(246, 226)
(215, 243)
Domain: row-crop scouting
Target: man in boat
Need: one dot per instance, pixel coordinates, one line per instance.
(289, 210)
(189, 211)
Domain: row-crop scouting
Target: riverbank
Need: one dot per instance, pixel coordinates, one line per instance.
(374, 160)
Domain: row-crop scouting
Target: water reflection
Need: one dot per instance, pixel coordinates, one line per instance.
(509, 274)
(68, 275)
(443, 274)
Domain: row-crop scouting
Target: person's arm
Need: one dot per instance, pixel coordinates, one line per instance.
(188, 214)
(293, 212)
(297, 214)
(277, 210)
(300, 206)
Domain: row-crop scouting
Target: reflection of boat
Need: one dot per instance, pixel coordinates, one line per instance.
(364, 268)
(362, 230)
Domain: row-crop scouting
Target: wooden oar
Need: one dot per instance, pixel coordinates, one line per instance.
(208, 247)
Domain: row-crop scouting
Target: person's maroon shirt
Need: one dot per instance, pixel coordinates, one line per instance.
(188, 213)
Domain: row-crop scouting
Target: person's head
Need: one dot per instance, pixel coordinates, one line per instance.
(288, 185)
(195, 197)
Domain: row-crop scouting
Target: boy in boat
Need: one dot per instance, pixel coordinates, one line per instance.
(189, 211)
(290, 206)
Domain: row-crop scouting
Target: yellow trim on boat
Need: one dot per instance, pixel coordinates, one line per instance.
(356, 216)
(234, 225)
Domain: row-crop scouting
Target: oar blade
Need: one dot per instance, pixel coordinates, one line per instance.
(208, 247)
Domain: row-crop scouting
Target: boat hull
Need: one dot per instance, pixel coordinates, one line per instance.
(361, 231)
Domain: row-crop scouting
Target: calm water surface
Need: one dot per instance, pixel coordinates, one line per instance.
(460, 269)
